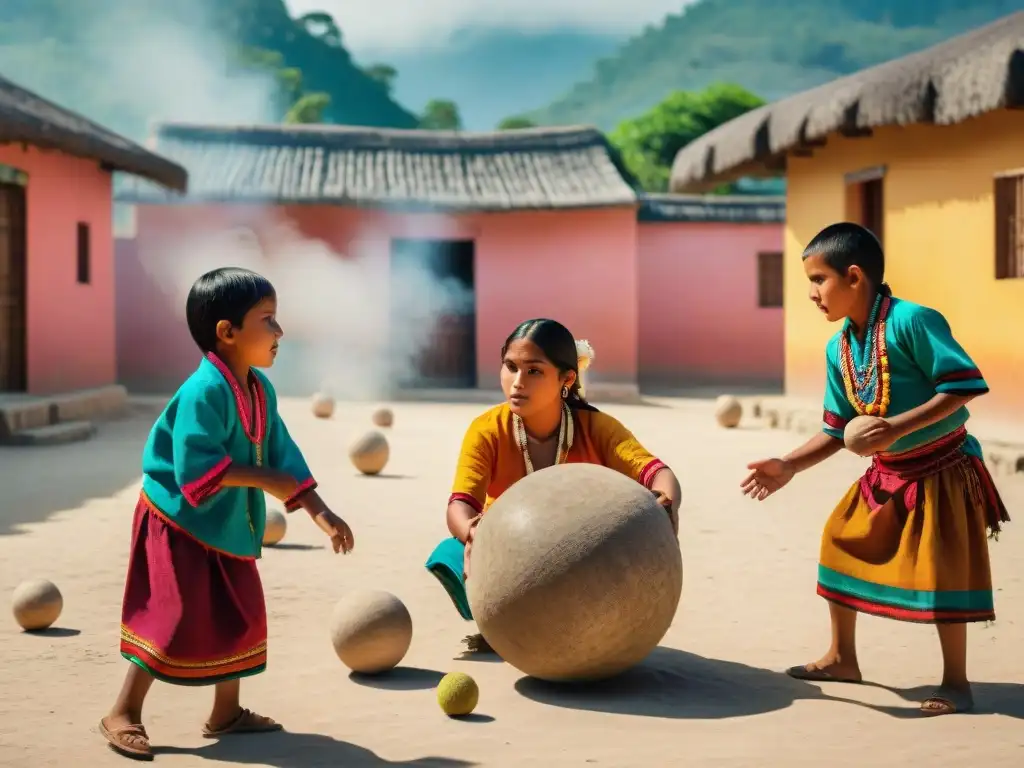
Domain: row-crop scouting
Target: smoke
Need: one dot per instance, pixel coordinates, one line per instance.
(354, 326)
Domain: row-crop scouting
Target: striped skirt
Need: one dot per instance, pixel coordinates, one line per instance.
(191, 615)
(909, 540)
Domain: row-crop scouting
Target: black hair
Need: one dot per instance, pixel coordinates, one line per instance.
(559, 346)
(844, 245)
(228, 294)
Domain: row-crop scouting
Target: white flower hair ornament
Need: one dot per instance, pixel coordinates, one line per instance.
(584, 359)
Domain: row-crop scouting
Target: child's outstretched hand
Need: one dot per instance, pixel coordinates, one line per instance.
(766, 477)
(341, 535)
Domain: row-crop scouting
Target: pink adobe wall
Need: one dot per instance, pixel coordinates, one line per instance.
(577, 266)
(71, 335)
(699, 319)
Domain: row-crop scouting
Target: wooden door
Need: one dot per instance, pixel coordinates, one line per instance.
(13, 346)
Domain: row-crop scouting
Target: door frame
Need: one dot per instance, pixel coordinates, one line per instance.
(14, 374)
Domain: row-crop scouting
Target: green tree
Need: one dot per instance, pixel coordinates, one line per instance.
(384, 74)
(649, 143)
(441, 115)
(516, 123)
(308, 109)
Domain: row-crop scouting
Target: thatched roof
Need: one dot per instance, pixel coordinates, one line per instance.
(538, 168)
(966, 76)
(30, 119)
(732, 209)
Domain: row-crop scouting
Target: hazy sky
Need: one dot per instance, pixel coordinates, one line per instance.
(377, 25)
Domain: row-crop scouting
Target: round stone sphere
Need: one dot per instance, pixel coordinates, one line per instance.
(37, 604)
(576, 573)
(457, 694)
(371, 631)
(383, 417)
(853, 434)
(323, 406)
(369, 453)
(277, 526)
(728, 411)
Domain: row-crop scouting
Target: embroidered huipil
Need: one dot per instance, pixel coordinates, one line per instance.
(205, 429)
(923, 359)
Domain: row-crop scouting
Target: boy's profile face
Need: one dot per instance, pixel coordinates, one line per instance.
(255, 342)
(833, 293)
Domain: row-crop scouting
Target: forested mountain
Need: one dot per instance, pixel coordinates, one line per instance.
(126, 62)
(770, 47)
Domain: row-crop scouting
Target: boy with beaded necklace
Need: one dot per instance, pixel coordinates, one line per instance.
(908, 540)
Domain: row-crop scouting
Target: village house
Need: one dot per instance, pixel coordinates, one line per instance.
(926, 152)
(57, 329)
(710, 292)
(537, 222)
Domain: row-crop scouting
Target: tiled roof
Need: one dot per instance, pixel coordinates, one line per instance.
(537, 168)
(736, 209)
(27, 117)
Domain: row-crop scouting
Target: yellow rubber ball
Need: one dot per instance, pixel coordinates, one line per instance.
(457, 693)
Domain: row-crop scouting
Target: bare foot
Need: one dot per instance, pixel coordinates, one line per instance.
(827, 670)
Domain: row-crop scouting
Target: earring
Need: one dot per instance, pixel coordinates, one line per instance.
(565, 392)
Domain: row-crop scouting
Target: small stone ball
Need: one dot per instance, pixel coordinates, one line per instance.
(728, 411)
(37, 604)
(371, 631)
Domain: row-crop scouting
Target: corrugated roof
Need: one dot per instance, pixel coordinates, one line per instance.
(735, 209)
(537, 168)
(28, 118)
(966, 76)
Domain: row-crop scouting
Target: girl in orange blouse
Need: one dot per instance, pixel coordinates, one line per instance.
(545, 420)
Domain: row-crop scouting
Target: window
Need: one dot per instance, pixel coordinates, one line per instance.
(865, 201)
(1009, 205)
(769, 279)
(83, 253)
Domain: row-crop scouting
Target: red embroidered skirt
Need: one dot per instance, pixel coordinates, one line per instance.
(191, 615)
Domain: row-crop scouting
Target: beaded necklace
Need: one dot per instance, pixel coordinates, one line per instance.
(565, 435)
(868, 386)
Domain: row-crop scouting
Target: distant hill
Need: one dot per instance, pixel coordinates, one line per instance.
(492, 74)
(124, 63)
(772, 48)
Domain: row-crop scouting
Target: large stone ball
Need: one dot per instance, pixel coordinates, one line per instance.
(728, 411)
(369, 453)
(383, 417)
(276, 527)
(576, 573)
(371, 631)
(323, 405)
(37, 604)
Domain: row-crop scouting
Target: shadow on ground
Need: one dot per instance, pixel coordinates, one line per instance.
(284, 749)
(1005, 699)
(39, 481)
(678, 685)
(53, 632)
(400, 679)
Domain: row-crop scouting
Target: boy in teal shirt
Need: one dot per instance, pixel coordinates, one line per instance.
(193, 610)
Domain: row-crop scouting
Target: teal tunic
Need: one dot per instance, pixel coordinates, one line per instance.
(206, 428)
(924, 359)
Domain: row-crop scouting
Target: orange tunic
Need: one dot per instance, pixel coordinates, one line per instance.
(490, 460)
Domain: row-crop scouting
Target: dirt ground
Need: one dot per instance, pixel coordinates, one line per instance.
(712, 695)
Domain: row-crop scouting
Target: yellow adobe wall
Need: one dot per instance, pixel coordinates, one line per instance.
(939, 235)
